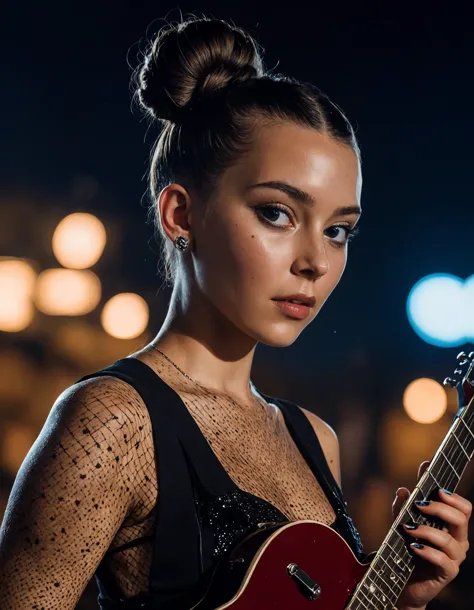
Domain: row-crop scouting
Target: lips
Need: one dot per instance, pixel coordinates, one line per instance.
(299, 299)
(296, 306)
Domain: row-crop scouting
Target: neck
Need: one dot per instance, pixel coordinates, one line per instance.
(203, 344)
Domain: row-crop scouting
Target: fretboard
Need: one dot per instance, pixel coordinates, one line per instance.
(393, 564)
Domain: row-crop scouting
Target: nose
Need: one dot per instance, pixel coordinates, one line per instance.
(313, 262)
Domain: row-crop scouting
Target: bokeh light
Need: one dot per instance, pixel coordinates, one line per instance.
(425, 400)
(125, 316)
(439, 308)
(67, 292)
(17, 281)
(79, 241)
(404, 444)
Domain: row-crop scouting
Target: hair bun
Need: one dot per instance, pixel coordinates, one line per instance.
(195, 57)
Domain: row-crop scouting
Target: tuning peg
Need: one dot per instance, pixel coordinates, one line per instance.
(471, 356)
(463, 358)
(451, 382)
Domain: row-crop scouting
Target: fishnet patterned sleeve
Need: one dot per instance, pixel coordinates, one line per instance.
(71, 494)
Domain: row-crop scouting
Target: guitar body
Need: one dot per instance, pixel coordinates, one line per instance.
(256, 575)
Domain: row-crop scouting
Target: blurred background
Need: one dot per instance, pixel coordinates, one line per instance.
(80, 285)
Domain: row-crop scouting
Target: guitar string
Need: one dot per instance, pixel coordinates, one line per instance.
(451, 463)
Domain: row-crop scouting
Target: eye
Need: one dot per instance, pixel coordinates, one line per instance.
(273, 214)
(344, 233)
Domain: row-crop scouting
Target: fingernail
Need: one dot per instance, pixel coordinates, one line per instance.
(423, 502)
(417, 545)
(411, 526)
(446, 491)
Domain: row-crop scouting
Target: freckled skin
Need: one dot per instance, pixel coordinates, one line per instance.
(90, 481)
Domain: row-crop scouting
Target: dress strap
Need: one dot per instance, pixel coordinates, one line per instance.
(308, 444)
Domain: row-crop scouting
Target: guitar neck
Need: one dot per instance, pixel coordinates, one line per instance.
(393, 564)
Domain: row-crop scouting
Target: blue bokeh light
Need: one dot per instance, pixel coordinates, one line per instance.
(440, 309)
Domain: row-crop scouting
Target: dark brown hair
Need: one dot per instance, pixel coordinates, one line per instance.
(204, 79)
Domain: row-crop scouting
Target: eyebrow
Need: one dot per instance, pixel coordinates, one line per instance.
(303, 197)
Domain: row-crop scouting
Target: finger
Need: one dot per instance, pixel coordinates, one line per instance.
(449, 569)
(423, 466)
(455, 520)
(443, 541)
(457, 501)
(401, 496)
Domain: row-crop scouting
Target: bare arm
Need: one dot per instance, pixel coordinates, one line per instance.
(70, 496)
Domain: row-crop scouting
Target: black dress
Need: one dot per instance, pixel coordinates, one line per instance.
(201, 511)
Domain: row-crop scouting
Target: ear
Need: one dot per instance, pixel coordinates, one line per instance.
(174, 204)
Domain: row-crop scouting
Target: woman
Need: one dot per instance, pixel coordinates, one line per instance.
(146, 473)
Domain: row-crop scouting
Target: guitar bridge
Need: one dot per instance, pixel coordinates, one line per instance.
(308, 587)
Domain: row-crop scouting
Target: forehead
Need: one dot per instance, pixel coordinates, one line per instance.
(305, 158)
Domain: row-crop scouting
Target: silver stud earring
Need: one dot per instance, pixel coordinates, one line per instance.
(181, 243)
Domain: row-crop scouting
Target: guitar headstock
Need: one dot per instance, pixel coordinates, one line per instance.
(463, 379)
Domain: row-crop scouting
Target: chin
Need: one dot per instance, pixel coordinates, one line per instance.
(280, 335)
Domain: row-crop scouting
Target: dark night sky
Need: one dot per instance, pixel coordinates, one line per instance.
(404, 79)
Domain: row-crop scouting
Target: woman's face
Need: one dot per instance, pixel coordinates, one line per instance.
(260, 243)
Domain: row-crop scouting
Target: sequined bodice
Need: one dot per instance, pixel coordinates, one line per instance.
(233, 515)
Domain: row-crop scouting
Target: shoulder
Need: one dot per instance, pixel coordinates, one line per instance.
(106, 396)
(329, 442)
(76, 485)
(108, 416)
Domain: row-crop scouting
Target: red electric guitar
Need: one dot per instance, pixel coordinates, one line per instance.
(304, 564)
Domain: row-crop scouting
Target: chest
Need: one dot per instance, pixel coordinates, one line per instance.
(259, 454)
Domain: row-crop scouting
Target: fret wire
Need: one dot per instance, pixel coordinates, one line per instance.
(455, 455)
(460, 444)
(468, 412)
(454, 470)
(448, 451)
(404, 553)
(374, 569)
(397, 594)
(453, 463)
(384, 593)
(371, 601)
(361, 601)
(399, 540)
(405, 556)
(353, 601)
(445, 472)
(466, 426)
(357, 592)
(465, 435)
(432, 475)
(464, 431)
(399, 556)
(415, 517)
(447, 477)
(460, 465)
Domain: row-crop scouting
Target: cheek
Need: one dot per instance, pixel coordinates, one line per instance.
(337, 266)
(239, 258)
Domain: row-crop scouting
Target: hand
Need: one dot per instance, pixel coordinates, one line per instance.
(438, 566)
